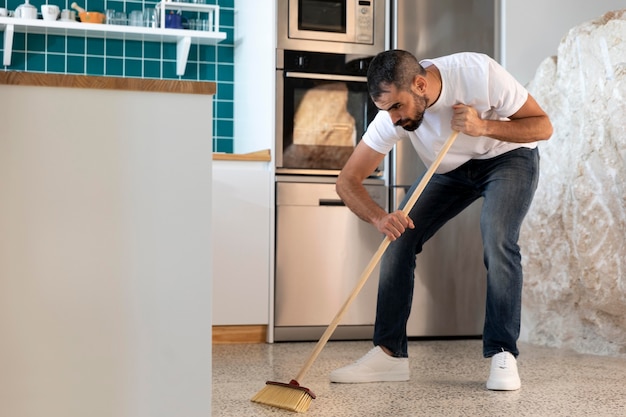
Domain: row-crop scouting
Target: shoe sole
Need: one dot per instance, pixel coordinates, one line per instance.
(503, 386)
(386, 377)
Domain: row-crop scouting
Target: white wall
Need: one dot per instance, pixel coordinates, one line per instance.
(255, 69)
(533, 29)
(105, 253)
(255, 107)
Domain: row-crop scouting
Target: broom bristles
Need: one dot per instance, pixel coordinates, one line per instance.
(290, 396)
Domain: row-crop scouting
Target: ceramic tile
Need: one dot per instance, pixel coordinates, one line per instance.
(447, 379)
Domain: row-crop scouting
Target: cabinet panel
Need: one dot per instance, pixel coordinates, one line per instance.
(105, 265)
(242, 211)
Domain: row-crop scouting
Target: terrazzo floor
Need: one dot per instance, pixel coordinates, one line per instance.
(447, 379)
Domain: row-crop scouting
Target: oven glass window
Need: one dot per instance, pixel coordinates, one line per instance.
(322, 15)
(323, 120)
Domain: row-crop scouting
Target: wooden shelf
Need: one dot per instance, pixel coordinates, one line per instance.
(181, 37)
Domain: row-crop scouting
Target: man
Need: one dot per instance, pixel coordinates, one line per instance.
(494, 157)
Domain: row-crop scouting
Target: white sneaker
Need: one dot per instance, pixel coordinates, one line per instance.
(503, 376)
(375, 366)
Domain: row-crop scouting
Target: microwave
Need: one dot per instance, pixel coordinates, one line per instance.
(333, 26)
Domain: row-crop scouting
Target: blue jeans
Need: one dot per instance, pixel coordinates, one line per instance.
(507, 183)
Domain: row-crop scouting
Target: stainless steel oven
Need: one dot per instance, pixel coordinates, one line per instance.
(323, 108)
(324, 48)
(338, 26)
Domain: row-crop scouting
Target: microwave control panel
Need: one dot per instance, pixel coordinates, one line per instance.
(365, 22)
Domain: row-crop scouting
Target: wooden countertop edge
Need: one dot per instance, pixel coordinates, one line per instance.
(106, 83)
(260, 156)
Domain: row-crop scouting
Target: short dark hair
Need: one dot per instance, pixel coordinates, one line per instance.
(394, 67)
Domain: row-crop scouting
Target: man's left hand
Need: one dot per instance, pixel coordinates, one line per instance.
(466, 120)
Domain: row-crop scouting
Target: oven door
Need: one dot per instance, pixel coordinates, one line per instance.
(320, 119)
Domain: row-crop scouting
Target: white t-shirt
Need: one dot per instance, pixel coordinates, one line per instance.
(469, 78)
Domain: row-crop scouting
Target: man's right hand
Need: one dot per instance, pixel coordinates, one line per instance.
(394, 224)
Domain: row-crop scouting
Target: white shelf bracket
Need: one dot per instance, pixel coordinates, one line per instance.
(182, 54)
(8, 44)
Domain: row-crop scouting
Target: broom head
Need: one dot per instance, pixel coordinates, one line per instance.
(289, 396)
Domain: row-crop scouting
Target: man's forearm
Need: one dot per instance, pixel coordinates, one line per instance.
(528, 129)
(358, 200)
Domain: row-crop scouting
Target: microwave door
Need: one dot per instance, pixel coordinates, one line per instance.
(322, 20)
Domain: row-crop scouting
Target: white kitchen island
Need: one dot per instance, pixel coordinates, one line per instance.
(105, 246)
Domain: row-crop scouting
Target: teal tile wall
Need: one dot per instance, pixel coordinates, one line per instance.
(137, 59)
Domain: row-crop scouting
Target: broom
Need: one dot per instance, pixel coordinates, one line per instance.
(293, 396)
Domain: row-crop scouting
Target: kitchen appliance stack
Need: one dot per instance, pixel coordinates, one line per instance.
(322, 109)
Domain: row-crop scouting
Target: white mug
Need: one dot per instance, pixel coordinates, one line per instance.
(26, 11)
(50, 11)
(4, 12)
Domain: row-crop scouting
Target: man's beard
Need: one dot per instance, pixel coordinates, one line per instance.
(411, 124)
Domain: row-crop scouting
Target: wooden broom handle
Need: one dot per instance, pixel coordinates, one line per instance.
(375, 259)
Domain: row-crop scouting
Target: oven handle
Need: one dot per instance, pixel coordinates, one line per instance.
(331, 77)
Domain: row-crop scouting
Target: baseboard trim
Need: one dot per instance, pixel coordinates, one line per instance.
(224, 335)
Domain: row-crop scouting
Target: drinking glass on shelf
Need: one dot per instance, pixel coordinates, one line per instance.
(120, 18)
(136, 18)
(109, 17)
(149, 18)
